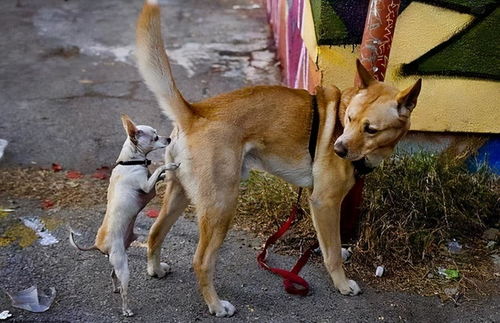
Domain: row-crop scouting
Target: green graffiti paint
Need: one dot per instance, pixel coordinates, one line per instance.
(472, 53)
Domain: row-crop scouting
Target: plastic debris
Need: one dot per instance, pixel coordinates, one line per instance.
(3, 145)
(5, 315)
(74, 174)
(36, 225)
(448, 273)
(451, 291)
(379, 271)
(454, 246)
(31, 300)
(346, 253)
(102, 172)
(152, 213)
(5, 211)
(47, 204)
(56, 167)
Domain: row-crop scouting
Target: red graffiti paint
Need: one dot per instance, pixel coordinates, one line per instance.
(377, 37)
(375, 49)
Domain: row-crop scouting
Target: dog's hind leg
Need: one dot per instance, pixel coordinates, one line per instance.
(213, 223)
(330, 188)
(114, 281)
(174, 203)
(119, 261)
(215, 197)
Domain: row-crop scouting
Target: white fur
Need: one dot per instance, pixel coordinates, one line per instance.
(130, 189)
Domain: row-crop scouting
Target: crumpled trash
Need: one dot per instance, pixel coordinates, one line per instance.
(31, 300)
(346, 253)
(379, 271)
(454, 246)
(448, 273)
(3, 144)
(451, 291)
(5, 315)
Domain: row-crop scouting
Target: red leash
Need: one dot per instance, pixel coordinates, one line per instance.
(294, 284)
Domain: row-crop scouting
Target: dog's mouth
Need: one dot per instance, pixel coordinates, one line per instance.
(361, 166)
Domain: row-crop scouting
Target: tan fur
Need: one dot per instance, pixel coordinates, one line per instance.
(265, 127)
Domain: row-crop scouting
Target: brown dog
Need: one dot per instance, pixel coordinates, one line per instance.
(220, 139)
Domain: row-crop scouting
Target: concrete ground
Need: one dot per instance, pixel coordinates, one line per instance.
(67, 72)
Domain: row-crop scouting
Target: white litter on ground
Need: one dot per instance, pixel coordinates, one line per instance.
(5, 315)
(380, 271)
(46, 239)
(3, 145)
(32, 300)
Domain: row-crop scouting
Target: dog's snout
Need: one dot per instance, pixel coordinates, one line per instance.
(340, 149)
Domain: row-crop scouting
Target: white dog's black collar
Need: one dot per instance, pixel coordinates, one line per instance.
(145, 162)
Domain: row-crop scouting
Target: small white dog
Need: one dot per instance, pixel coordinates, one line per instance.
(130, 189)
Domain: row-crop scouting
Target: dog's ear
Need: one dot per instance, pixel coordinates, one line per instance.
(364, 77)
(407, 99)
(129, 126)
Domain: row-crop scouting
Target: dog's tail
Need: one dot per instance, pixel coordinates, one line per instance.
(155, 68)
(73, 243)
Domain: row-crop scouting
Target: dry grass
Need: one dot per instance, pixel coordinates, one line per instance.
(413, 206)
(43, 184)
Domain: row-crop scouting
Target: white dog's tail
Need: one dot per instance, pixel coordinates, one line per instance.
(73, 243)
(155, 68)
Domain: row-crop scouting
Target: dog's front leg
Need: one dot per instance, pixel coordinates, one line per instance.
(325, 202)
(148, 186)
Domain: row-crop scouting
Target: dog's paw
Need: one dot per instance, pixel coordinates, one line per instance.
(350, 288)
(127, 312)
(172, 166)
(160, 271)
(223, 309)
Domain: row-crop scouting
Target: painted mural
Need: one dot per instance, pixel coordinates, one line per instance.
(287, 22)
(452, 44)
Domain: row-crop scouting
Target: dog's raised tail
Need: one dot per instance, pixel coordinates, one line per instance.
(73, 243)
(154, 66)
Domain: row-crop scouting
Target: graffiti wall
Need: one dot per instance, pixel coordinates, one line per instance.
(291, 21)
(451, 44)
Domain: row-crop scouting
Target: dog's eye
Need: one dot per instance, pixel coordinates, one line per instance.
(370, 130)
(156, 138)
(349, 118)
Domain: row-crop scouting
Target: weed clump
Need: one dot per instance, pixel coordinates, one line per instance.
(415, 203)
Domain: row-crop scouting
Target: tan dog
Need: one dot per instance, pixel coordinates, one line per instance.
(220, 139)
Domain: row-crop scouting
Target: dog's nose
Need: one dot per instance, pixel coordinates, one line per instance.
(340, 149)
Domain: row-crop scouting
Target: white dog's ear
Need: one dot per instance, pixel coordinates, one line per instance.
(129, 126)
(364, 77)
(407, 99)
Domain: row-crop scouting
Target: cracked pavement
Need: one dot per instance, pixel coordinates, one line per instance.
(67, 73)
